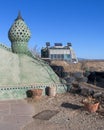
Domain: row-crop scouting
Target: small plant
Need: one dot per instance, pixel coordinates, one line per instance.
(91, 104)
(87, 72)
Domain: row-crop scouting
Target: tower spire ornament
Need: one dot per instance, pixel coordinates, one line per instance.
(19, 16)
(19, 35)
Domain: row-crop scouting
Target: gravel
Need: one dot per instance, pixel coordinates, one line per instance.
(69, 117)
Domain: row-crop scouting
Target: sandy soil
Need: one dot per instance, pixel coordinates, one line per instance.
(81, 66)
(71, 114)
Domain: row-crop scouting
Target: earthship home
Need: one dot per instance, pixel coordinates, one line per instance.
(59, 52)
(20, 70)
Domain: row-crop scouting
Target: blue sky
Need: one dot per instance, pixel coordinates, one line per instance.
(80, 22)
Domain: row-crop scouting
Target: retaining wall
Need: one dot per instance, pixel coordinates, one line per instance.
(20, 92)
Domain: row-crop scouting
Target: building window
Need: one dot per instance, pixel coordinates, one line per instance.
(52, 56)
(67, 57)
(58, 56)
(62, 56)
(55, 56)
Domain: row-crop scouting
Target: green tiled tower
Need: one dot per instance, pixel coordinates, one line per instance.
(19, 73)
(19, 35)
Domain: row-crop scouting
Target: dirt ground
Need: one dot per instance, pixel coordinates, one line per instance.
(91, 65)
(64, 112)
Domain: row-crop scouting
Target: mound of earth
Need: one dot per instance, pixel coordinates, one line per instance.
(19, 69)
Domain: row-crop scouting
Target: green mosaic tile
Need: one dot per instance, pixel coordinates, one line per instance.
(20, 93)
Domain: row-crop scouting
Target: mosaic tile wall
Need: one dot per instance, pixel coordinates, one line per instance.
(20, 92)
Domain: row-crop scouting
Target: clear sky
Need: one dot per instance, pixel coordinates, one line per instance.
(80, 22)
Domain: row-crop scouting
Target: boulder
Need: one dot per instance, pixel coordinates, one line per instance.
(78, 75)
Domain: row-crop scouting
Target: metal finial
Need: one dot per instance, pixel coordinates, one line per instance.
(19, 16)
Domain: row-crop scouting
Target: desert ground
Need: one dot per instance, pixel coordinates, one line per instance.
(61, 112)
(91, 65)
(64, 112)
